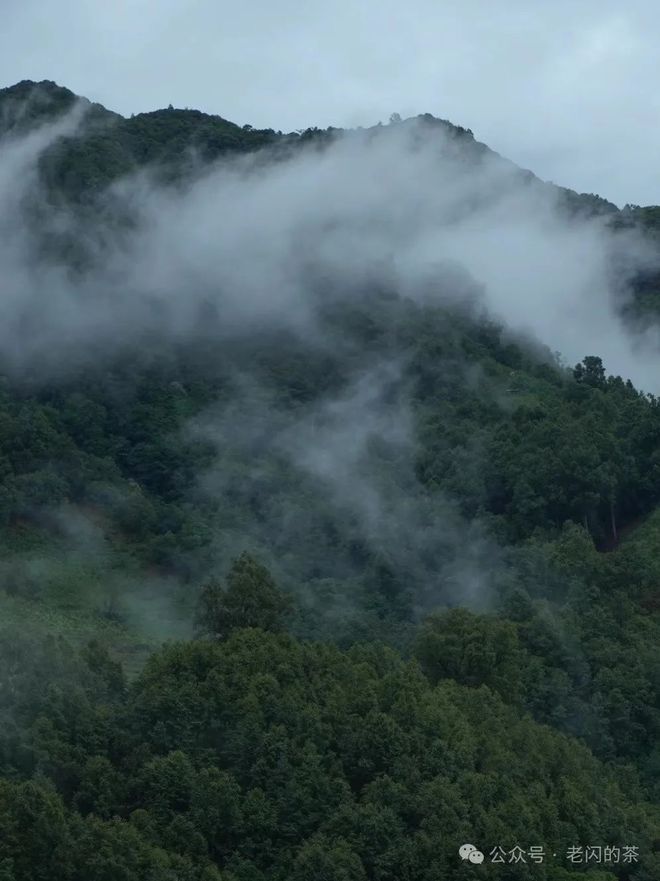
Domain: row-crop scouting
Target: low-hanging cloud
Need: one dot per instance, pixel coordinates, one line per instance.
(260, 243)
(335, 481)
(263, 243)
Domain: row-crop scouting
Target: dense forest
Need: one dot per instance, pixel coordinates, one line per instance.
(315, 599)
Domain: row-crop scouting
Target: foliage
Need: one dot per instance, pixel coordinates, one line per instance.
(264, 757)
(250, 599)
(361, 709)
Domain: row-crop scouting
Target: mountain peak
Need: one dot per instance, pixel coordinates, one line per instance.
(29, 103)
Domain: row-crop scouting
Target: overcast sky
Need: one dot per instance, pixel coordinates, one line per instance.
(569, 89)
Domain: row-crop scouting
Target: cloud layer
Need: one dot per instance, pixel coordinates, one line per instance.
(262, 244)
(256, 245)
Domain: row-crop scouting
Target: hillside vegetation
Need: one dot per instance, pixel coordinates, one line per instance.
(408, 579)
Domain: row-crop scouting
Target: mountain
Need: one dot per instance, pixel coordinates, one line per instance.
(259, 403)
(109, 145)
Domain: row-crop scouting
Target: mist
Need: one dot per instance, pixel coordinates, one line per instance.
(260, 242)
(328, 496)
(264, 245)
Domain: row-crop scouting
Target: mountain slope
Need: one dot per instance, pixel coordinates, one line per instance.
(166, 136)
(410, 470)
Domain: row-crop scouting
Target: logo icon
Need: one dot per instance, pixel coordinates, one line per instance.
(470, 852)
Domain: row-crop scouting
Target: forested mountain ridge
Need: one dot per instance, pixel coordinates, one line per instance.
(111, 145)
(409, 556)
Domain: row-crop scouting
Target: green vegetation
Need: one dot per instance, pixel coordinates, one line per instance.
(263, 757)
(343, 695)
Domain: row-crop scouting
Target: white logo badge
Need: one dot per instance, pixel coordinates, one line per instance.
(470, 852)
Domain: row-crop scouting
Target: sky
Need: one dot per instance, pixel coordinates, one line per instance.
(568, 89)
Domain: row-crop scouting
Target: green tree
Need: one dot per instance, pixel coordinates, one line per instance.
(250, 598)
(590, 371)
(472, 649)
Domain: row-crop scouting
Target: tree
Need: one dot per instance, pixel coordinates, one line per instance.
(324, 861)
(250, 599)
(473, 650)
(590, 371)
